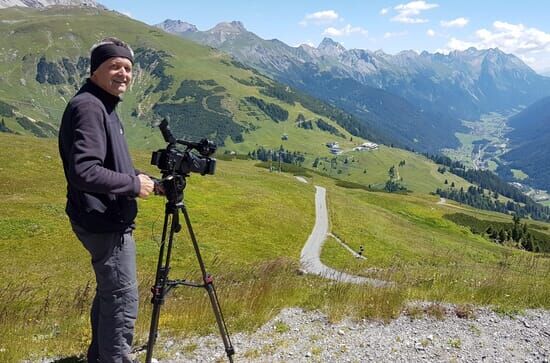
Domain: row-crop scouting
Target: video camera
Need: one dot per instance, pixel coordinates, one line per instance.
(172, 161)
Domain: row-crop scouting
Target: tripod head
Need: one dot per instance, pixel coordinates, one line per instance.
(171, 187)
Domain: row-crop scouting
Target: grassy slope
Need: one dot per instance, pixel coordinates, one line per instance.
(408, 240)
(34, 33)
(419, 174)
(251, 225)
(240, 217)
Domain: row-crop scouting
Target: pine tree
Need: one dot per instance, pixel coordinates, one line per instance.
(528, 242)
(391, 172)
(502, 236)
(315, 162)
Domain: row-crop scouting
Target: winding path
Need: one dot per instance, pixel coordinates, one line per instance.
(310, 257)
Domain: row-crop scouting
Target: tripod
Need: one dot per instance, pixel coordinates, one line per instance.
(173, 186)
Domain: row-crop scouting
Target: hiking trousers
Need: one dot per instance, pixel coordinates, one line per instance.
(115, 305)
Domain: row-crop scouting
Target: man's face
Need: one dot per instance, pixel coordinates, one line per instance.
(114, 75)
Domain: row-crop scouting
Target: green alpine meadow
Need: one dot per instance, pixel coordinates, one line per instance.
(254, 215)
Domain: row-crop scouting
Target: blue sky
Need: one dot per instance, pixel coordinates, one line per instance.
(518, 27)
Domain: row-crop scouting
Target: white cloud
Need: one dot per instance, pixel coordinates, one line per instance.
(430, 33)
(409, 13)
(345, 31)
(529, 44)
(388, 35)
(127, 13)
(456, 23)
(320, 17)
(384, 11)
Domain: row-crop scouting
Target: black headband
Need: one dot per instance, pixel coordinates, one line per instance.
(106, 51)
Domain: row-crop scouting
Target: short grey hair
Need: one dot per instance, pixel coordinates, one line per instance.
(111, 40)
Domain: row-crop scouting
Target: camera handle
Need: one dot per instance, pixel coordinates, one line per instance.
(163, 284)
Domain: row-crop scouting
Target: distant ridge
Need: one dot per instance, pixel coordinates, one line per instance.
(45, 3)
(176, 26)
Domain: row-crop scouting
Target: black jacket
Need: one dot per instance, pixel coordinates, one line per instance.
(101, 179)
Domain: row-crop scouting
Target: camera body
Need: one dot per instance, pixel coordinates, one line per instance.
(174, 161)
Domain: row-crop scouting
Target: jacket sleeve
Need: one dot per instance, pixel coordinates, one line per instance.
(86, 170)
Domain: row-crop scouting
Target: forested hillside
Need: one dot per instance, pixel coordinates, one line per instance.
(530, 143)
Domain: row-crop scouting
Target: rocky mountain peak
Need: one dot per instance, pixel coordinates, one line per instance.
(407, 54)
(467, 53)
(44, 3)
(498, 59)
(177, 26)
(329, 46)
(234, 27)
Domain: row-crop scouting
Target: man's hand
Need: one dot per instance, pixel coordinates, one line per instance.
(146, 185)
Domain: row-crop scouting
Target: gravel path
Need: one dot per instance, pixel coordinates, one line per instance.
(298, 336)
(310, 257)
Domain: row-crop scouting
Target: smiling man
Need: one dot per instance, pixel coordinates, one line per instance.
(102, 185)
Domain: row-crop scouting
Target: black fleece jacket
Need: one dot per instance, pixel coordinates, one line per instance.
(101, 179)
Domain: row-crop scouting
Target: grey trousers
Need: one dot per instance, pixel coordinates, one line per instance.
(115, 305)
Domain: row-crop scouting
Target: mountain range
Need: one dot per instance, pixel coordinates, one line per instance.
(461, 84)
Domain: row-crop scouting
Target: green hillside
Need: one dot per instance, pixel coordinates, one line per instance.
(529, 143)
(45, 59)
(205, 93)
(265, 219)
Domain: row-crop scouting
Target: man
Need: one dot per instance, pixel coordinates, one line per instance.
(102, 185)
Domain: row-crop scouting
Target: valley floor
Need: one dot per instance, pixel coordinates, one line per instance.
(296, 335)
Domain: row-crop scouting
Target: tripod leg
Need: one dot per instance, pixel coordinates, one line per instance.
(161, 278)
(209, 285)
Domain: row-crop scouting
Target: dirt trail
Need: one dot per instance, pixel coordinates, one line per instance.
(311, 253)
